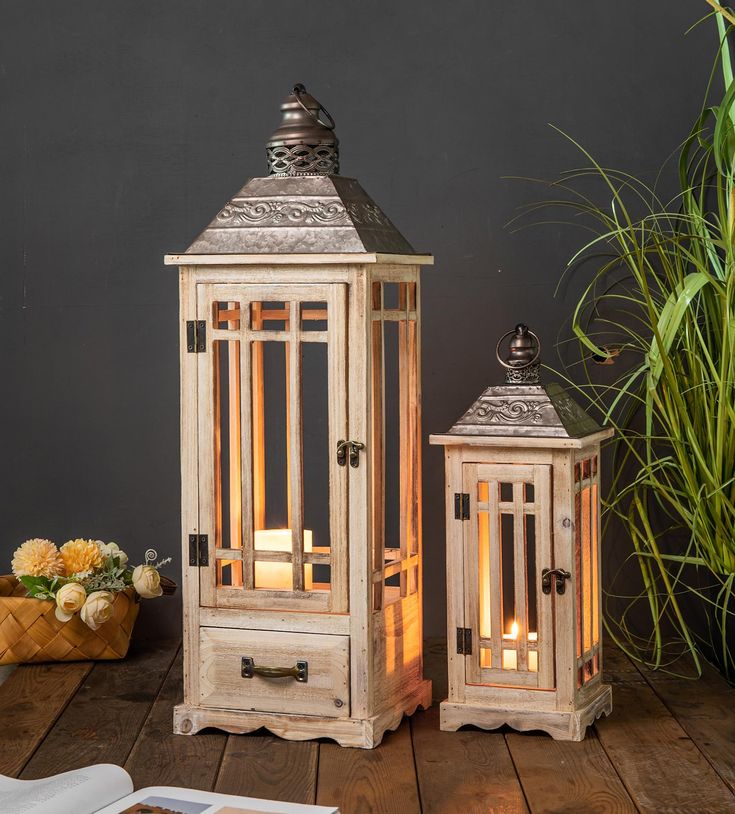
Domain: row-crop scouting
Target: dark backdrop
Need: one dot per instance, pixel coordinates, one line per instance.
(125, 126)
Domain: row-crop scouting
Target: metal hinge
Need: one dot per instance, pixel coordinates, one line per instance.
(461, 506)
(464, 641)
(196, 336)
(199, 550)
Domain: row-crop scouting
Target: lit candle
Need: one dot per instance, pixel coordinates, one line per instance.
(278, 576)
(510, 657)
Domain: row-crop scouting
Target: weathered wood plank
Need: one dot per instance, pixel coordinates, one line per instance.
(563, 776)
(160, 758)
(467, 771)
(705, 711)
(661, 767)
(105, 716)
(31, 700)
(264, 766)
(381, 780)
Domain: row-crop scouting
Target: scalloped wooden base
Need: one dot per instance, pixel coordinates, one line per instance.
(561, 725)
(362, 733)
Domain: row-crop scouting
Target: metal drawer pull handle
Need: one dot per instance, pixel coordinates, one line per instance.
(300, 671)
(560, 575)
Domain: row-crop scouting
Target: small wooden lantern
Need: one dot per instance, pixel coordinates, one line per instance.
(523, 557)
(301, 472)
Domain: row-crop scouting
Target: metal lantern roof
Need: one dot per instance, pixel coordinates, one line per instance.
(317, 214)
(524, 407)
(303, 207)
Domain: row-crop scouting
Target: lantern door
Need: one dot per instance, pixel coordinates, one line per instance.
(507, 543)
(272, 404)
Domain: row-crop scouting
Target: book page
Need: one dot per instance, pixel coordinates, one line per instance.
(169, 800)
(81, 791)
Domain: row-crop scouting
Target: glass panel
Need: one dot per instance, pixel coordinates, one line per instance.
(270, 432)
(315, 422)
(531, 577)
(594, 519)
(227, 316)
(483, 540)
(269, 316)
(395, 455)
(391, 295)
(377, 296)
(227, 456)
(586, 569)
(376, 453)
(314, 317)
(506, 492)
(578, 565)
(528, 496)
(392, 437)
(507, 559)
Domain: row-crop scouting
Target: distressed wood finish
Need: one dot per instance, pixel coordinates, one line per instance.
(161, 758)
(652, 752)
(558, 776)
(325, 691)
(642, 759)
(488, 692)
(264, 766)
(466, 772)
(361, 634)
(106, 714)
(358, 781)
(31, 700)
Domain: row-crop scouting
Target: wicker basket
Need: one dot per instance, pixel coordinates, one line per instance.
(30, 632)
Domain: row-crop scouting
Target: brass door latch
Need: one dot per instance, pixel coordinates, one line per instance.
(354, 448)
(561, 576)
(300, 671)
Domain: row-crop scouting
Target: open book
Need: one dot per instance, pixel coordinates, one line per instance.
(108, 789)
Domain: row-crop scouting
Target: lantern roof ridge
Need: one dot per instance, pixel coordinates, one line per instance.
(302, 214)
(526, 411)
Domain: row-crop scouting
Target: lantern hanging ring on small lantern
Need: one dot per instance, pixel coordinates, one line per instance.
(297, 91)
(522, 365)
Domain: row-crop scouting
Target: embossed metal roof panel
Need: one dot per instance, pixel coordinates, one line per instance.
(530, 411)
(320, 214)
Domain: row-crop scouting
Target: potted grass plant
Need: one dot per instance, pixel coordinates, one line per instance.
(654, 331)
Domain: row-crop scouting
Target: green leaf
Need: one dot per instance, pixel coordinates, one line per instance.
(669, 322)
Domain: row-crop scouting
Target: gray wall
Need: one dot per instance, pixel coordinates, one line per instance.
(125, 126)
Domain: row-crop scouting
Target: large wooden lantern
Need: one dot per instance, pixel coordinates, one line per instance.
(301, 454)
(523, 557)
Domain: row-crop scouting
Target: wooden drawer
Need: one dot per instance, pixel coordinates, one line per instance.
(325, 691)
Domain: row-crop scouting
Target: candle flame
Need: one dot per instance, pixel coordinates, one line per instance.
(514, 630)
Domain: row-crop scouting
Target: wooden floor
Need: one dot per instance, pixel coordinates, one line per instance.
(668, 747)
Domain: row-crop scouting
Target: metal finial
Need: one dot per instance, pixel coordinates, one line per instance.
(522, 363)
(304, 144)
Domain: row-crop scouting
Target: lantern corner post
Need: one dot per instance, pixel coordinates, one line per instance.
(189, 480)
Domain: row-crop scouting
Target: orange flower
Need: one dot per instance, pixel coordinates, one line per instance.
(81, 556)
(37, 558)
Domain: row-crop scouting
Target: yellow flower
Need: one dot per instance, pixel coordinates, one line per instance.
(37, 558)
(81, 556)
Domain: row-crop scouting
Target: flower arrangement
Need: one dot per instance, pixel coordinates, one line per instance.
(83, 576)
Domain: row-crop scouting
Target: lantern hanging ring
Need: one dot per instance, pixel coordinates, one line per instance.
(511, 333)
(297, 91)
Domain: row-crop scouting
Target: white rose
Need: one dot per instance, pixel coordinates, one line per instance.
(69, 599)
(147, 581)
(112, 550)
(97, 609)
